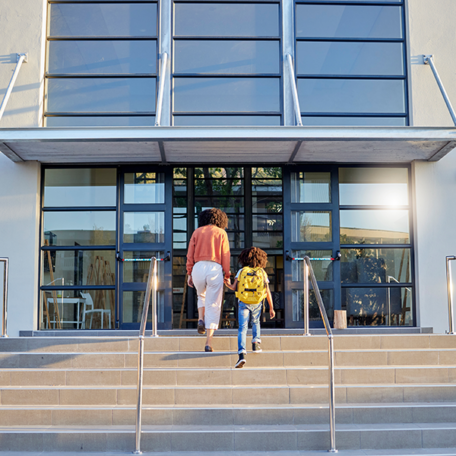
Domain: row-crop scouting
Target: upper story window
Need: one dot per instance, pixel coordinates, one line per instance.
(227, 63)
(101, 63)
(350, 62)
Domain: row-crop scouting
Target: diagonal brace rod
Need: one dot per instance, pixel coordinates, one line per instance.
(21, 58)
(294, 90)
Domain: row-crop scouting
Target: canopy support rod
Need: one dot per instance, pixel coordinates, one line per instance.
(164, 65)
(21, 58)
(429, 60)
(294, 90)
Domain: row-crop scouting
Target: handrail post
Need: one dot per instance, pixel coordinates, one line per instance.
(161, 89)
(294, 90)
(306, 299)
(154, 302)
(429, 60)
(450, 294)
(21, 58)
(5, 295)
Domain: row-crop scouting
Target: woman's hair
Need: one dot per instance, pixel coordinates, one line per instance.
(213, 217)
(253, 257)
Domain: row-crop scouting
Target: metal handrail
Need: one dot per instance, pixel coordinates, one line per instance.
(450, 294)
(308, 271)
(5, 295)
(20, 58)
(161, 89)
(294, 90)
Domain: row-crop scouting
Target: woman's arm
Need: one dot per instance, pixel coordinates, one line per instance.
(226, 255)
(232, 287)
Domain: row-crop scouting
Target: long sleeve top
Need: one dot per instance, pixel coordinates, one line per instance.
(209, 243)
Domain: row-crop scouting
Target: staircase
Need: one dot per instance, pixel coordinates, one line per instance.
(78, 394)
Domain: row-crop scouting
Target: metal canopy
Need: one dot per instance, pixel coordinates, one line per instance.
(227, 144)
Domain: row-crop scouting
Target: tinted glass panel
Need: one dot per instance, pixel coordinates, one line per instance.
(226, 94)
(314, 311)
(322, 58)
(103, 20)
(356, 121)
(333, 21)
(132, 306)
(227, 57)
(236, 240)
(310, 187)
(352, 96)
(267, 222)
(323, 269)
(268, 204)
(138, 271)
(110, 121)
(80, 228)
(144, 227)
(311, 226)
(102, 57)
(267, 240)
(264, 174)
(226, 204)
(144, 188)
(219, 187)
(375, 265)
(196, 121)
(378, 306)
(374, 227)
(225, 19)
(100, 95)
(373, 186)
(219, 173)
(80, 187)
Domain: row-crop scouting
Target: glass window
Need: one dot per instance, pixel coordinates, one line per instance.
(230, 205)
(267, 239)
(226, 19)
(235, 121)
(373, 186)
(100, 95)
(144, 188)
(102, 57)
(311, 187)
(219, 173)
(144, 227)
(352, 96)
(95, 19)
(334, 21)
(374, 227)
(311, 226)
(78, 187)
(323, 269)
(361, 59)
(100, 121)
(375, 266)
(79, 228)
(267, 222)
(219, 187)
(236, 239)
(226, 94)
(314, 311)
(138, 271)
(227, 57)
(329, 121)
(267, 204)
(133, 303)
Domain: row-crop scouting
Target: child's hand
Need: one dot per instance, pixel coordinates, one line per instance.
(271, 313)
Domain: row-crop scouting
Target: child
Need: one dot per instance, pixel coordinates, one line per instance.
(252, 286)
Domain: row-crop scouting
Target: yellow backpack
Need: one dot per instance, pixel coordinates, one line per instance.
(251, 287)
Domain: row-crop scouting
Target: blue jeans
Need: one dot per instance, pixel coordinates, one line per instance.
(245, 313)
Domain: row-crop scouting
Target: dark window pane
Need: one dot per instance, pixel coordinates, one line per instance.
(310, 187)
(227, 57)
(323, 269)
(79, 187)
(267, 240)
(103, 20)
(79, 228)
(132, 307)
(267, 222)
(179, 228)
(378, 306)
(374, 227)
(373, 186)
(267, 204)
(375, 265)
(102, 57)
(144, 188)
(227, 204)
(364, 59)
(226, 19)
(269, 172)
(314, 311)
(236, 240)
(180, 202)
(352, 96)
(266, 187)
(226, 94)
(235, 222)
(219, 173)
(138, 271)
(333, 21)
(100, 121)
(311, 226)
(144, 227)
(235, 121)
(355, 121)
(101, 95)
(219, 187)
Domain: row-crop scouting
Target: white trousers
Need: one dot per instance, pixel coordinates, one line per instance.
(207, 277)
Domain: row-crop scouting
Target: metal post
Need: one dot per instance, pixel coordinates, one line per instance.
(332, 397)
(306, 299)
(5, 295)
(161, 89)
(154, 302)
(450, 294)
(21, 58)
(294, 91)
(429, 60)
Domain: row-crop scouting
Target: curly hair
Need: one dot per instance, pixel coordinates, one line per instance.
(213, 217)
(253, 257)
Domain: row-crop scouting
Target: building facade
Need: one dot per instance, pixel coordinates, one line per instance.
(314, 124)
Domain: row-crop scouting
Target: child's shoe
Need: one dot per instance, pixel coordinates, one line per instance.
(256, 347)
(241, 361)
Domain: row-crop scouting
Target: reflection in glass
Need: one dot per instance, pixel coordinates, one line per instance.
(323, 269)
(311, 226)
(267, 239)
(268, 204)
(267, 222)
(314, 311)
(144, 188)
(237, 240)
(100, 121)
(78, 187)
(219, 187)
(378, 306)
(375, 265)
(133, 303)
(219, 173)
(144, 227)
(329, 121)
(374, 227)
(373, 186)
(266, 173)
(236, 222)
(230, 205)
(310, 187)
(235, 121)
(79, 228)
(138, 271)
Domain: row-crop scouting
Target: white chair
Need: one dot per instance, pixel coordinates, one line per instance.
(88, 302)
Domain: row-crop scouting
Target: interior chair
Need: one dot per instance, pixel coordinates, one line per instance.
(88, 310)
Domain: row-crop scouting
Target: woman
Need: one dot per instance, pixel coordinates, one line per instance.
(208, 267)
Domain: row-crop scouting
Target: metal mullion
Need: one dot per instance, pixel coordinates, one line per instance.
(98, 114)
(375, 246)
(53, 248)
(352, 40)
(225, 38)
(77, 287)
(224, 113)
(99, 75)
(349, 3)
(232, 75)
(78, 209)
(328, 245)
(377, 285)
(372, 207)
(97, 1)
(369, 77)
(349, 114)
(102, 38)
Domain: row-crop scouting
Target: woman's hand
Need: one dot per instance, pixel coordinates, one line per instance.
(190, 281)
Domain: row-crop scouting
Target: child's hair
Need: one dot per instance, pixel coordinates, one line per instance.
(253, 257)
(213, 217)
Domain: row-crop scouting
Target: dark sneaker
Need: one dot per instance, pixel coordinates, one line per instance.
(241, 361)
(256, 347)
(201, 327)
(208, 348)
